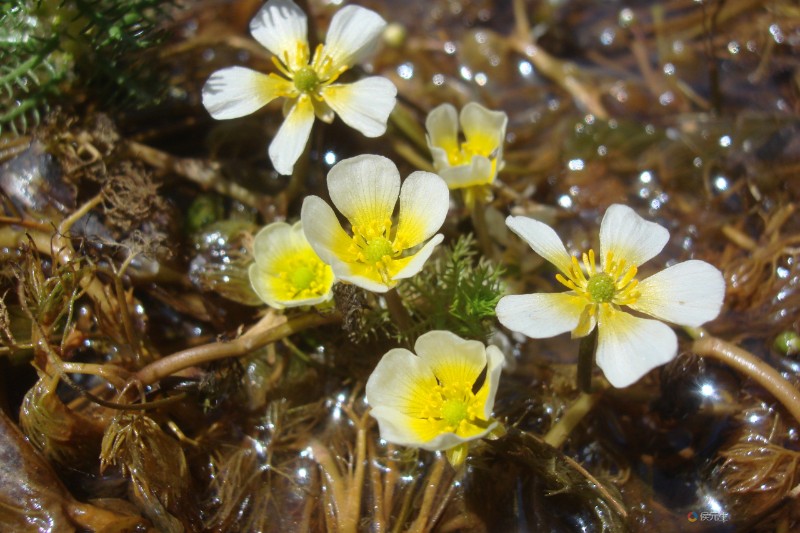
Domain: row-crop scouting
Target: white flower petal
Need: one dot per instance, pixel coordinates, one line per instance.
(237, 91)
(424, 202)
(323, 231)
(397, 379)
(689, 294)
(273, 241)
(365, 189)
(630, 237)
(478, 172)
(450, 358)
(445, 441)
(290, 141)
(352, 35)
(279, 26)
(543, 239)
(440, 160)
(361, 275)
(494, 367)
(417, 261)
(258, 281)
(540, 315)
(442, 127)
(629, 347)
(394, 427)
(484, 124)
(364, 105)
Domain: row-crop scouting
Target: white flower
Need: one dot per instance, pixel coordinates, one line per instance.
(287, 272)
(688, 294)
(379, 252)
(435, 400)
(476, 160)
(309, 86)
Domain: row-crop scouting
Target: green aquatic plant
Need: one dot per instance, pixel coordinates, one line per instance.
(51, 47)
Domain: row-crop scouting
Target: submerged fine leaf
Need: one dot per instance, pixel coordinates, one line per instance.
(156, 466)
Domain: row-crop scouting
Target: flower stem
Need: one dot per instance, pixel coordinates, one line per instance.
(752, 366)
(431, 488)
(220, 350)
(586, 361)
(398, 311)
(478, 216)
(572, 417)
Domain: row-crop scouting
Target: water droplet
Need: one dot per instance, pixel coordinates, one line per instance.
(576, 164)
(406, 71)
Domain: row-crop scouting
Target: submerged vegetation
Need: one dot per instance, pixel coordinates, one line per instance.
(148, 384)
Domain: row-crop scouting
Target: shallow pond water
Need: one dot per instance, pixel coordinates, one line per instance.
(127, 233)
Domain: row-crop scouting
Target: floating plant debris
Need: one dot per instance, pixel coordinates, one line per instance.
(153, 381)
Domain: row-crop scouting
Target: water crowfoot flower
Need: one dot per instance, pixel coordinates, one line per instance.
(308, 81)
(474, 163)
(439, 399)
(287, 272)
(688, 294)
(379, 252)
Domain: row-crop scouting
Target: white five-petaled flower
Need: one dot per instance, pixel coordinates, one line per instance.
(379, 252)
(475, 161)
(286, 271)
(308, 85)
(440, 398)
(688, 294)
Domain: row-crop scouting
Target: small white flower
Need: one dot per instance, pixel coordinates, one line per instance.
(475, 161)
(435, 400)
(287, 272)
(688, 294)
(379, 252)
(281, 27)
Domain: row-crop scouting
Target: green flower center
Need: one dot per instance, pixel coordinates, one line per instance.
(601, 287)
(302, 277)
(377, 249)
(453, 412)
(306, 79)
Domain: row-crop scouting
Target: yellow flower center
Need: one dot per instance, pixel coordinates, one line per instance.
(455, 405)
(478, 145)
(601, 287)
(615, 284)
(372, 246)
(302, 275)
(376, 249)
(483, 145)
(308, 75)
(306, 80)
(454, 411)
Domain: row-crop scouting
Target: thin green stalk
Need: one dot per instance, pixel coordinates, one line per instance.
(586, 361)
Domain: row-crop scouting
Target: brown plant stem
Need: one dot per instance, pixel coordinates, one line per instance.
(397, 310)
(220, 350)
(574, 414)
(421, 523)
(752, 366)
(478, 216)
(564, 73)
